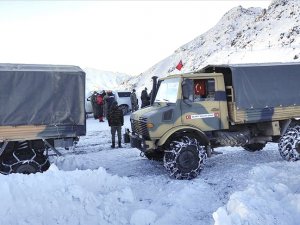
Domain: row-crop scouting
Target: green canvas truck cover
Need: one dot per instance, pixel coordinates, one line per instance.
(265, 85)
(41, 95)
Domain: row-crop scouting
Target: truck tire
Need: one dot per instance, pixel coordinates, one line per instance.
(24, 160)
(184, 158)
(289, 144)
(254, 147)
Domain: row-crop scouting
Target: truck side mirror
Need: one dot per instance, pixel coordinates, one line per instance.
(187, 91)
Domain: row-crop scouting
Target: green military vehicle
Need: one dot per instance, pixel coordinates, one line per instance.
(42, 108)
(243, 105)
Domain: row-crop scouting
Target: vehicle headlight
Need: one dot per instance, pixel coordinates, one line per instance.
(150, 125)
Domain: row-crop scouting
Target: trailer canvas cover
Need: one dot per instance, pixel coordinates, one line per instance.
(262, 85)
(41, 95)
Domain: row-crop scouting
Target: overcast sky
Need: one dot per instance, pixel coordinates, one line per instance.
(118, 36)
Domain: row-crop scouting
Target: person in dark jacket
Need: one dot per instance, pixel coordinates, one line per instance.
(95, 105)
(145, 98)
(109, 99)
(134, 101)
(115, 121)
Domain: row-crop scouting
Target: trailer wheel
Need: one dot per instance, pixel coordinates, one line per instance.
(289, 144)
(254, 147)
(184, 158)
(24, 160)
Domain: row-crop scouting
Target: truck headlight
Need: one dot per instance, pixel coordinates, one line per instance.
(150, 125)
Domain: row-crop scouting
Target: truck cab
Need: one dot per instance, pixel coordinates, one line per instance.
(193, 101)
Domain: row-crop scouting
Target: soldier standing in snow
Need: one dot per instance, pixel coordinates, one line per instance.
(115, 121)
(93, 99)
(134, 101)
(105, 104)
(145, 98)
(96, 105)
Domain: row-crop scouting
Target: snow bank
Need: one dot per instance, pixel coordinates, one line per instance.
(272, 197)
(60, 197)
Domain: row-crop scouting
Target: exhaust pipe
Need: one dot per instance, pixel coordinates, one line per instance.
(154, 89)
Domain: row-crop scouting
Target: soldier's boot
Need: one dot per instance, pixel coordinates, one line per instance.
(113, 145)
(120, 146)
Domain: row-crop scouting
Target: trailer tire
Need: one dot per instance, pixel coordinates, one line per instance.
(24, 161)
(184, 158)
(254, 147)
(289, 144)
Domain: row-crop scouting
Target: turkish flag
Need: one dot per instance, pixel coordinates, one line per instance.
(180, 65)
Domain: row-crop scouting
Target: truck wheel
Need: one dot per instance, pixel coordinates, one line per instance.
(24, 160)
(289, 144)
(184, 158)
(254, 147)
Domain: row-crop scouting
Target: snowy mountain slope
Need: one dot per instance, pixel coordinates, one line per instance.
(241, 36)
(103, 80)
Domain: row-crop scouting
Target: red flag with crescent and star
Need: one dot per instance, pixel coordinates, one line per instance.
(180, 65)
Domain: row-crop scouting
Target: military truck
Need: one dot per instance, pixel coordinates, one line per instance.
(243, 105)
(42, 108)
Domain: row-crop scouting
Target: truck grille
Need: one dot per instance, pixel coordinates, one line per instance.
(140, 127)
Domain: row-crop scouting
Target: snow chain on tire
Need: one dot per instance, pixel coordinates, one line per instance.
(289, 143)
(24, 160)
(189, 146)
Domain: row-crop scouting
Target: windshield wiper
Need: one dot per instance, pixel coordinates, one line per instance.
(157, 101)
(167, 101)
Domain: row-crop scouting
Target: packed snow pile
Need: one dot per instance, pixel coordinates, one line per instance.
(240, 36)
(59, 197)
(270, 190)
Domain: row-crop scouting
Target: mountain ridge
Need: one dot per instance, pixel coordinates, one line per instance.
(252, 35)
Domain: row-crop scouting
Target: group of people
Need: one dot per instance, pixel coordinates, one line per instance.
(145, 98)
(105, 105)
(101, 103)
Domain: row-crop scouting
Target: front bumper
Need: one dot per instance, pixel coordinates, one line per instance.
(140, 143)
(137, 142)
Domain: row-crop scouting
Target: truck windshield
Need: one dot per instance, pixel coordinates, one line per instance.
(167, 91)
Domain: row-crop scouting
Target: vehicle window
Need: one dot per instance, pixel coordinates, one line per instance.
(168, 90)
(124, 94)
(204, 90)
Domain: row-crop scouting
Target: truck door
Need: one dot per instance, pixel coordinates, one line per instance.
(203, 106)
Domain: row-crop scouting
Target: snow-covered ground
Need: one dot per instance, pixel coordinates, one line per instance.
(94, 184)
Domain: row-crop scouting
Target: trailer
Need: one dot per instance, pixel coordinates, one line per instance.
(42, 108)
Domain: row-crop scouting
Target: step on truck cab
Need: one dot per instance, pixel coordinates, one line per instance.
(42, 108)
(243, 105)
